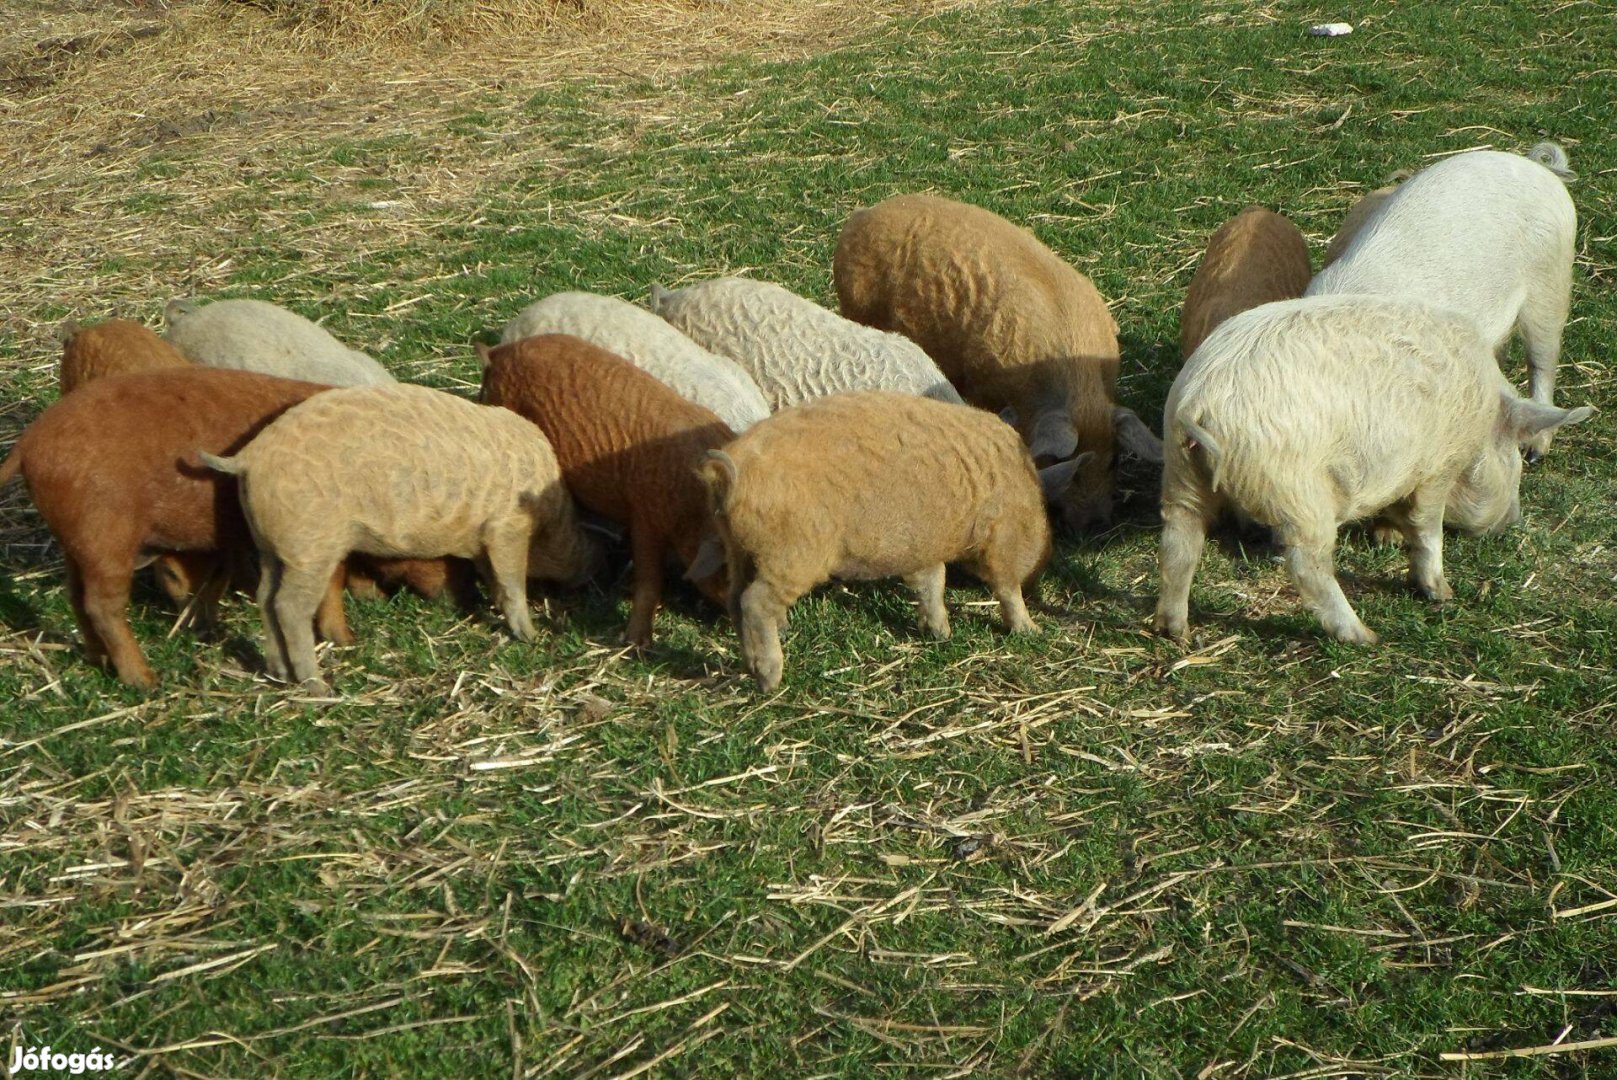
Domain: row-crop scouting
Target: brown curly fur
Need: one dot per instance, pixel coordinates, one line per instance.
(628, 447)
(1255, 257)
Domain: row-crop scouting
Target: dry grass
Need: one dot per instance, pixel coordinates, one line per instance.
(182, 105)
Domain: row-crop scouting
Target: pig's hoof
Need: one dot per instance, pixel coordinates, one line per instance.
(141, 678)
(1438, 592)
(1356, 634)
(768, 676)
(1176, 627)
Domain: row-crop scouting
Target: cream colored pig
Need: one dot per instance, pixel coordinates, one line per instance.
(399, 471)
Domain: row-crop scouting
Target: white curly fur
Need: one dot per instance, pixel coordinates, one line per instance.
(795, 349)
(650, 344)
(252, 335)
(1304, 414)
(1487, 234)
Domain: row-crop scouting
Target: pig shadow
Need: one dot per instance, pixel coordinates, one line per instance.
(17, 612)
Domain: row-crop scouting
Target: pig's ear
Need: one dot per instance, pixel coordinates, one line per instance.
(1054, 480)
(709, 560)
(1134, 437)
(1053, 436)
(1527, 418)
(483, 356)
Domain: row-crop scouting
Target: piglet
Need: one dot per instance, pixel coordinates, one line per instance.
(875, 484)
(399, 471)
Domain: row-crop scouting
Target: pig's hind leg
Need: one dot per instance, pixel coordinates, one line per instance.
(928, 587)
(505, 546)
(298, 596)
(1310, 544)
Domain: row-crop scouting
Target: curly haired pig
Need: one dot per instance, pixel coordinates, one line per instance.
(793, 348)
(1007, 321)
(251, 335)
(399, 471)
(650, 344)
(1308, 413)
(875, 484)
(118, 347)
(1485, 233)
(628, 447)
(1255, 257)
(110, 468)
(113, 347)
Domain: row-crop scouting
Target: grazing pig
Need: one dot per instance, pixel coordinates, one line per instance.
(1359, 215)
(875, 484)
(628, 447)
(111, 469)
(251, 335)
(650, 344)
(1484, 233)
(793, 348)
(113, 347)
(1007, 321)
(118, 347)
(1308, 413)
(1255, 257)
(398, 471)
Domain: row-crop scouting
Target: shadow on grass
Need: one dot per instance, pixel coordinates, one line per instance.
(16, 611)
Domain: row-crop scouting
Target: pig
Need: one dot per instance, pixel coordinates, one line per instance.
(1255, 257)
(628, 447)
(714, 382)
(874, 484)
(1485, 233)
(1010, 324)
(1305, 414)
(111, 470)
(251, 335)
(112, 347)
(398, 471)
(793, 348)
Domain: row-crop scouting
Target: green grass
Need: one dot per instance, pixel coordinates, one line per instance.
(1266, 855)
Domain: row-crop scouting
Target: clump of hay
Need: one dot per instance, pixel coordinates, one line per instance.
(447, 21)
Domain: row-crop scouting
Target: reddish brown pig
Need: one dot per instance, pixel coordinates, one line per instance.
(120, 347)
(114, 347)
(113, 471)
(628, 447)
(192, 580)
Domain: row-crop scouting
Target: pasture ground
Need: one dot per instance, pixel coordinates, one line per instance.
(1091, 853)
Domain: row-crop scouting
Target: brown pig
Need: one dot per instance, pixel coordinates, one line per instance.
(1255, 257)
(876, 484)
(628, 447)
